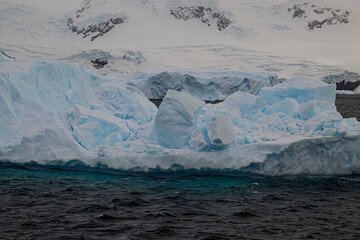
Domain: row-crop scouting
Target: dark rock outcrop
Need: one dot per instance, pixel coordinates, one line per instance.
(206, 15)
(328, 16)
(350, 86)
(344, 81)
(99, 62)
(95, 30)
(99, 29)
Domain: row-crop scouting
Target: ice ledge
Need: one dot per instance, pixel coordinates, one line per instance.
(306, 157)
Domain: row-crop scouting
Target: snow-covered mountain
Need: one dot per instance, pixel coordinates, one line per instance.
(283, 37)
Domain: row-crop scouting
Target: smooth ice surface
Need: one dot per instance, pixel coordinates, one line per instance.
(325, 156)
(301, 89)
(54, 112)
(175, 119)
(221, 131)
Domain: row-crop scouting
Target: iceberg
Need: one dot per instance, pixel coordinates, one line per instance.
(59, 114)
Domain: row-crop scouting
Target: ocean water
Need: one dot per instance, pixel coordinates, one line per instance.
(64, 204)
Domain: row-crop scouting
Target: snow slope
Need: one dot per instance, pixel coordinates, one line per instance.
(263, 36)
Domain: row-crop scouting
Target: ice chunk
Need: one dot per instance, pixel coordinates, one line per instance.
(310, 109)
(51, 111)
(124, 102)
(92, 128)
(117, 114)
(329, 156)
(288, 106)
(175, 119)
(323, 121)
(52, 144)
(301, 89)
(221, 131)
(248, 104)
(197, 140)
(353, 126)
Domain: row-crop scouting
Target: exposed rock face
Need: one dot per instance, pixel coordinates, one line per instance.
(206, 15)
(99, 29)
(319, 16)
(344, 81)
(99, 62)
(343, 85)
(94, 30)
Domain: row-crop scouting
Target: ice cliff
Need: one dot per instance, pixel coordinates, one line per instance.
(53, 112)
(202, 85)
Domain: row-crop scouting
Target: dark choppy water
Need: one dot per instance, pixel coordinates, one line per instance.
(348, 105)
(56, 204)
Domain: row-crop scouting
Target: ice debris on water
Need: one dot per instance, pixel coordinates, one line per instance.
(52, 111)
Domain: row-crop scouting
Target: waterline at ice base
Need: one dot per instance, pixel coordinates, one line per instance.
(54, 114)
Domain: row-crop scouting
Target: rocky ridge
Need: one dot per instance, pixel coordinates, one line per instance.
(319, 16)
(93, 30)
(206, 15)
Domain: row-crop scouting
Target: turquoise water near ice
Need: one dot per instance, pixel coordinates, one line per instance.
(64, 204)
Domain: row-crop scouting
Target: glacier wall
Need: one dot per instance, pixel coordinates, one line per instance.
(33, 97)
(54, 112)
(202, 85)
